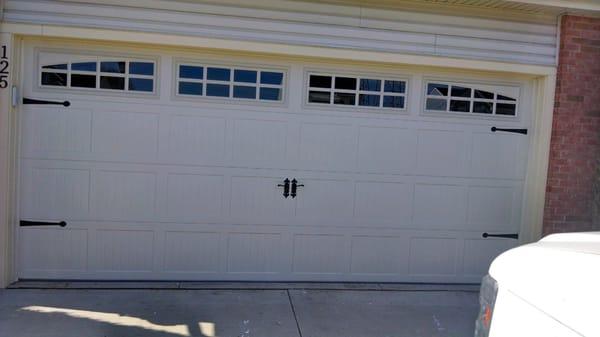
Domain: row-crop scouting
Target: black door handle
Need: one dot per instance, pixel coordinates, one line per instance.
(521, 131)
(28, 223)
(39, 101)
(295, 186)
(506, 236)
(286, 187)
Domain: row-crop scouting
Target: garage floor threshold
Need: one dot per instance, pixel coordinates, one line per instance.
(35, 284)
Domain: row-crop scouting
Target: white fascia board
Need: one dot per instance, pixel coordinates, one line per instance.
(581, 5)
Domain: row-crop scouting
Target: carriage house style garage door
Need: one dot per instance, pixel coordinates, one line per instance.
(180, 165)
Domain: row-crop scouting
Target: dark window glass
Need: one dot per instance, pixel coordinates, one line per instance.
(483, 107)
(460, 106)
(506, 98)
(54, 79)
(270, 94)
(484, 94)
(112, 67)
(84, 66)
(218, 74)
(141, 68)
(368, 100)
(317, 81)
(506, 109)
(344, 99)
(141, 84)
(437, 89)
(190, 88)
(370, 85)
(83, 81)
(318, 97)
(191, 72)
(345, 83)
(56, 66)
(394, 86)
(242, 91)
(248, 76)
(108, 82)
(393, 102)
(460, 92)
(218, 90)
(436, 104)
(269, 77)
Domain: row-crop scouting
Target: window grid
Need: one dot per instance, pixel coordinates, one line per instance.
(99, 74)
(231, 83)
(471, 99)
(381, 93)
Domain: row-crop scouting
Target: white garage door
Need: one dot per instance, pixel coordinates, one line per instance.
(168, 166)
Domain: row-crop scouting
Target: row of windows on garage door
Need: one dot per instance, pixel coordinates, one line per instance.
(196, 79)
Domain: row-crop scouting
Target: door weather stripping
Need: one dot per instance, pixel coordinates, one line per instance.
(505, 236)
(522, 131)
(27, 223)
(39, 101)
(286, 187)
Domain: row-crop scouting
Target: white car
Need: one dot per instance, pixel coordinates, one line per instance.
(550, 288)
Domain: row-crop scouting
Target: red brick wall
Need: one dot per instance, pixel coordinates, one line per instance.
(573, 189)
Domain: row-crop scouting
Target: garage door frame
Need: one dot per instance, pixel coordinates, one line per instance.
(13, 35)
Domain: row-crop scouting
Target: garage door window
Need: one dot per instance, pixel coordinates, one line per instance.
(228, 82)
(103, 74)
(458, 98)
(363, 92)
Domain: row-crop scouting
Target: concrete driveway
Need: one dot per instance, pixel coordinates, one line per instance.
(349, 311)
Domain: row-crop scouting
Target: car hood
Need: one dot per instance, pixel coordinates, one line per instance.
(559, 275)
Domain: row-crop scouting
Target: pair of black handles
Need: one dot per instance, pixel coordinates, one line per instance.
(287, 191)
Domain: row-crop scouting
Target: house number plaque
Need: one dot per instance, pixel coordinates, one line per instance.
(4, 64)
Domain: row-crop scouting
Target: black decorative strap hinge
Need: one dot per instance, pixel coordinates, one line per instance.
(28, 223)
(505, 236)
(39, 101)
(521, 131)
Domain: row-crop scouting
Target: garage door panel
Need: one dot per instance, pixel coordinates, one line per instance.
(479, 254)
(50, 250)
(260, 143)
(379, 202)
(123, 195)
(195, 252)
(325, 201)
(492, 207)
(441, 153)
(320, 254)
(56, 132)
(386, 150)
(194, 197)
(255, 253)
(125, 135)
(327, 147)
(379, 255)
(496, 155)
(433, 256)
(123, 250)
(258, 200)
(196, 140)
(56, 193)
(439, 206)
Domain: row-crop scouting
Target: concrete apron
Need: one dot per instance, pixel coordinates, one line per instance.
(239, 312)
